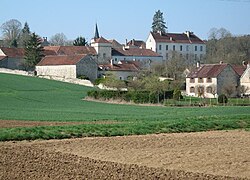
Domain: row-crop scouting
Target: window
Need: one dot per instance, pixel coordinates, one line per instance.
(192, 90)
(166, 47)
(104, 55)
(191, 80)
(115, 59)
(201, 56)
(209, 80)
(159, 47)
(195, 57)
(187, 48)
(209, 89)
(187, 56)
(200, 80)
(180, 47)
(173, 47)
(120, 78)
(195, 48)
(201, 48)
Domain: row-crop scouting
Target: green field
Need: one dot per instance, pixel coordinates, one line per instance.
(30, 98)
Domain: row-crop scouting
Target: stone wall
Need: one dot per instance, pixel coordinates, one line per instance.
(60, 71)
(87, 67)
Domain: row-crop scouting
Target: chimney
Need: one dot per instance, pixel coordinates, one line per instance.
(126, 42)
(198, 64)
(133, 42)
(171, 38)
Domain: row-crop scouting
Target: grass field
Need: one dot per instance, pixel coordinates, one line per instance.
(34, 99)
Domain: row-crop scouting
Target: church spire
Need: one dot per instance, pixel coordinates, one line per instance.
(96, 32)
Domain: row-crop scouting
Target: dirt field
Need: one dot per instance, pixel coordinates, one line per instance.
(205, 155)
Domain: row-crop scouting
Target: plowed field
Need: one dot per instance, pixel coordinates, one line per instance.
(205, 155)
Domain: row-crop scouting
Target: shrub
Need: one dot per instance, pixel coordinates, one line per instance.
(222, 98)
(83, 77)
(177, 94)
(98, 81)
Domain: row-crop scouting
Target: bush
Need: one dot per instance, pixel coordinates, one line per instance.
(98, 81)
(177, 94)
(222, 98)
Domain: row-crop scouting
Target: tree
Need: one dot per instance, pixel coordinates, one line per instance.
(11, 32)
(25, 35)
(80, 41)
(58, 39)
(33, 52)
(158, 22)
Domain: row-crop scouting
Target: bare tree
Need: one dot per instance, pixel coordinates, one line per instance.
(58, 39)
(228, 90)
(11, 31)
(243, 89)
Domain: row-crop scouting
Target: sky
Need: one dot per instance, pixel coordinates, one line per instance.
(126, 19)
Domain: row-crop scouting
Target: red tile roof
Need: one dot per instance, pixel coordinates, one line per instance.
(133, 52)
(13, 52)
(71, 50)
(240, 69)
(137, 43)
(102, 40)
(61, 60)
(125, 66)
(207, 70)
(176, 38)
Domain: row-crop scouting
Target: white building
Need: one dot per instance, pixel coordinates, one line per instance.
(245, 80)
(211, 80)
(187, 44)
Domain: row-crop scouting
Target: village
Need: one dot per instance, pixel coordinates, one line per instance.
(126, 61)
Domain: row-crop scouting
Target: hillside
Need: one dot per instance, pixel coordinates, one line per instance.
(35, 99)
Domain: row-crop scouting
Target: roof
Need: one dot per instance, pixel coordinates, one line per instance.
(177, 38)
(61, 60)
(71, 50)
(13, 52)
(121, 66)
(207, 70)
(137, 43)
(133, 52)
(102, 40)
(2, 57)
(239, 69)
(115, 44)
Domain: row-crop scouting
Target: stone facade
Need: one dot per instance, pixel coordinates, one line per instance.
(62, 71)
(87, 67)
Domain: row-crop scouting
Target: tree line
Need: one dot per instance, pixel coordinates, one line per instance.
(16, 35)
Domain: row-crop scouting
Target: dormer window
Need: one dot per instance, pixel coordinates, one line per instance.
(191, 80)
(200, 80)
(209, 80)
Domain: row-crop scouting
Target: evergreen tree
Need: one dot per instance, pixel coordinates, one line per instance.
(33, 52)
(25, 35)
(80, 41)
(158, 22)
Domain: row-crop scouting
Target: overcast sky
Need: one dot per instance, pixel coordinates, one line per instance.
(126, 19)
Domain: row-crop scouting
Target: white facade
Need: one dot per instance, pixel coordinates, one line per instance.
(245, 80)
(190, 51)
(209, 86)
(62, 71)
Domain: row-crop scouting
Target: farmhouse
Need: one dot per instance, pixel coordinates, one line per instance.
(187, 44)
(211, 80)
(68, 66)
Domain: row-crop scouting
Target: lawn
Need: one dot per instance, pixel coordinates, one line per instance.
(30, 98)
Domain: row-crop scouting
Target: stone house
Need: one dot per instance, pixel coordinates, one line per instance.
(122, 70)
(12, 58)
(211, 80)
(187, 44)
(245, 80)
(68, 66)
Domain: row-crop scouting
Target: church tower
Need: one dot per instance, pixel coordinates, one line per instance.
(102, 46)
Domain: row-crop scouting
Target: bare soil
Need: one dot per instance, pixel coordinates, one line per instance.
(204, 155)
(21, 123)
